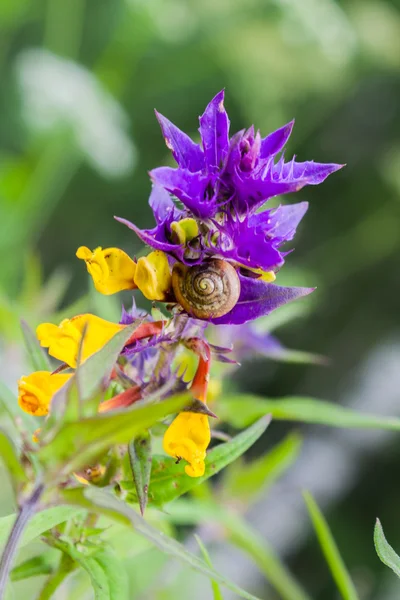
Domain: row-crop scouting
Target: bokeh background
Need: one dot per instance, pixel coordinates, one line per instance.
(79, 81)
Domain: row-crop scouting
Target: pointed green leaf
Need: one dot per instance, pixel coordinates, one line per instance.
(217, 595)
(43, 564)
(117, 576)
(11, 460)
(108, 578)
(240, 533)
(169, 480)
(384, 550)
(39, 524)
(246, 480)
(330, 550)
(139, 450)
(80, 443)
(103, 500)
(10, 404)
(242, 410)
(87, 382)
(37, 357)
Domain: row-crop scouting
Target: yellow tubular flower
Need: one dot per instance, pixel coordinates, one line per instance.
(188, 437)
(63, 341)
(112, 269)
(153, 275)
(37, 389)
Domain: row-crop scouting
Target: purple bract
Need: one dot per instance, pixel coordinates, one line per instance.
(222, 184)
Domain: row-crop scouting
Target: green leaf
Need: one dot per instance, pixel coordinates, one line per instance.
(121, 512)
(169, 480)
(11, 460)
(38, 359)
(240, 533)
(109, 580)
(384, 550)
(80, 443)
(330, 550)
(242, 410)
(43, 564)
(10, 403)
(116, 575)
(80, 395)
(39, 524)
(217, 595)
(296, 357)
(139, 450)
(244, 481)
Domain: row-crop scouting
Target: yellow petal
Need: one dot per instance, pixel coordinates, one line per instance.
(64, 341)
(36, 390)
(153, 275)
(187, 438)
(112, 270)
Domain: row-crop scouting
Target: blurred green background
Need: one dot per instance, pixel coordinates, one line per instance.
(79, 81)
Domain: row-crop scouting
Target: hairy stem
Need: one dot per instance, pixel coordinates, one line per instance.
(27, 511)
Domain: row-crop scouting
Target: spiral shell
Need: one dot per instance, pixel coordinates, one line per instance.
(208, 290)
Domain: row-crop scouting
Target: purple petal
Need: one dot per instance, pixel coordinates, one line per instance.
(258, 299)
(275, 142)
(305, 173)
(251, 248)
(282, 178)
(190, 188)
(187, 154)
(161, 204)
(280, 222)
(214, 131)
(153, 237)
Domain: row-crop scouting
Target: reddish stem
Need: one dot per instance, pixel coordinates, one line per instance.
(202, 376)
(146, 330)
(122, 400)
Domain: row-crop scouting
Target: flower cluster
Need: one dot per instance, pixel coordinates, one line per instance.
(215, 256)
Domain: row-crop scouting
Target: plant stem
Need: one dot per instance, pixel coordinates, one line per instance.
(27, 511)
(54, 581)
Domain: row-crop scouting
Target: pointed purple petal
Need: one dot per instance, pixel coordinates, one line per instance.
(305, 173)
(187, 154)
(189, 187)
(214, 131)
(258, 299)
(282, 178)
(161, 204)
(275, 142)
(151, 237)
(280, 222)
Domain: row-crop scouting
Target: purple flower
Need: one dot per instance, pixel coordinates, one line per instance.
(220, 186)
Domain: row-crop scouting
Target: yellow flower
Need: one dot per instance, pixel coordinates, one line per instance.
(63, 341)
(37, 389)
(188, 437)
(153, 275)
(184, 230)
(112, 269)
(267, 276)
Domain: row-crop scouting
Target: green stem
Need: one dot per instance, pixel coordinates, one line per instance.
(54, 581)
(27, 511)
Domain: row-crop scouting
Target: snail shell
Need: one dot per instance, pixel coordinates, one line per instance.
(208, 290)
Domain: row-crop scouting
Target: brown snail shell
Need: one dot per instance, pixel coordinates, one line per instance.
(208, 290)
